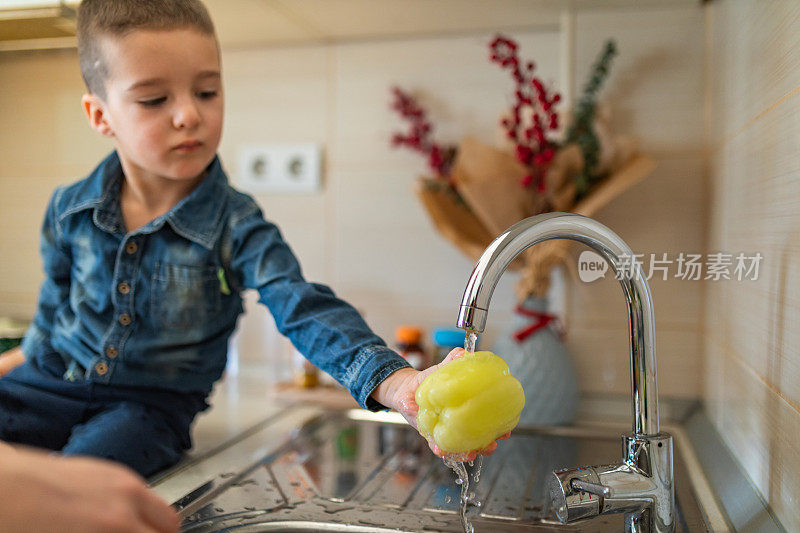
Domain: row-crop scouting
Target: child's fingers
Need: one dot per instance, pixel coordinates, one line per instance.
(489, 450)
(455, 353)
(408, 405)
(412, 420)
(441, 453)
(435, 449)
(409, 409)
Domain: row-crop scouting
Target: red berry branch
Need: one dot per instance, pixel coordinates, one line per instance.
(418, 137)
(533, 148)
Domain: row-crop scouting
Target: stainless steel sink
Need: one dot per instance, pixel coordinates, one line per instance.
(357, 471)
(307, 527)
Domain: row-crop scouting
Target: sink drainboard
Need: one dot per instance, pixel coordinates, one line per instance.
(361, 475)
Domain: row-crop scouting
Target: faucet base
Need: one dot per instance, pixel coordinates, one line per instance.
(640, 486)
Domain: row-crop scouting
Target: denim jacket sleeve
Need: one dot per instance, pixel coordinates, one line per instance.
(327, 330)
(55, 288)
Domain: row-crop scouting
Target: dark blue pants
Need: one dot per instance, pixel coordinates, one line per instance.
(146, 429)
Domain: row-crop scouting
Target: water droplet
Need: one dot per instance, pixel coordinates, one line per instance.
(477, 474)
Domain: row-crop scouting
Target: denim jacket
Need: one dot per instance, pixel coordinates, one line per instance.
(155, 307)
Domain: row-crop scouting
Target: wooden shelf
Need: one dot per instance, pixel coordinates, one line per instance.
(330, 396)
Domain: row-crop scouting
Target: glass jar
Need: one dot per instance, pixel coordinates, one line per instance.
(444, 340)
(306, 375)
(409, 345)
(11, 333)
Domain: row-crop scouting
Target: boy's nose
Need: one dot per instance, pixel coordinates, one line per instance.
(186, 115)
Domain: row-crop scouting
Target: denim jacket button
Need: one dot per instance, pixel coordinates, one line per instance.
(131, 248)
(124, 288)
(101, 368)
(125, 319)
(111, 352)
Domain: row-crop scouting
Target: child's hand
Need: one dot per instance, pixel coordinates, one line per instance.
(397, 392)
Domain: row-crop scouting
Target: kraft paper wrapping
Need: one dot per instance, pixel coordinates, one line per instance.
(454, 220)
(489, 181)
(541, 258)
(492, 199)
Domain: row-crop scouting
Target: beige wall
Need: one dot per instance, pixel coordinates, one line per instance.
(365, 233)
(655, 92)
(44, 142)
(752, 329)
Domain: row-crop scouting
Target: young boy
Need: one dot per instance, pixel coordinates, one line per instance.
(145, 260)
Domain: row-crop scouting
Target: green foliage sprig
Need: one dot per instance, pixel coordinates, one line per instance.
(581, 130)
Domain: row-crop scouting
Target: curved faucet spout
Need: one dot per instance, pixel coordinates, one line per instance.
(524, 234)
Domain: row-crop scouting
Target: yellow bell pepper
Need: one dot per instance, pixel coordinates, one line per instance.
(469, 402)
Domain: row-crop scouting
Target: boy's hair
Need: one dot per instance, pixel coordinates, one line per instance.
(114, 18)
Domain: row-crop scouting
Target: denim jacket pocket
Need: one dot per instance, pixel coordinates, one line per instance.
(184, 297)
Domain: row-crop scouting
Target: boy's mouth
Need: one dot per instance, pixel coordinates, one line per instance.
(188, 146)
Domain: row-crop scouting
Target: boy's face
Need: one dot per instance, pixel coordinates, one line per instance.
(163, 102)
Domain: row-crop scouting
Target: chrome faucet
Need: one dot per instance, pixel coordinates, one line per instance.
(642, 484)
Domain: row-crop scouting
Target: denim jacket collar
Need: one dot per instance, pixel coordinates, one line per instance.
(196, 217)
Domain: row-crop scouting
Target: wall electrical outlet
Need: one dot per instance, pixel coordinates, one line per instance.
(280, 168)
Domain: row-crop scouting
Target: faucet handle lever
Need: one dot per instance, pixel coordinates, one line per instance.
(591, 488)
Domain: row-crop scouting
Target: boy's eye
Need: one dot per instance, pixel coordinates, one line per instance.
(153, 102)
(207, 94)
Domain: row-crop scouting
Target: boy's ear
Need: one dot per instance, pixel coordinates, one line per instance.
(94, 108)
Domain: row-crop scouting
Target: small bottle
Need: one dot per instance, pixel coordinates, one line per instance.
(306, 375)
(408, 345)
(444, 340)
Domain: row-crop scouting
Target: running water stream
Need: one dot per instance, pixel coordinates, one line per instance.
(463, 479)
(456, 462)
(470, 340)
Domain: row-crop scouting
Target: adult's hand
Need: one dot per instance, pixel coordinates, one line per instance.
(40, 492)
(11, 359)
